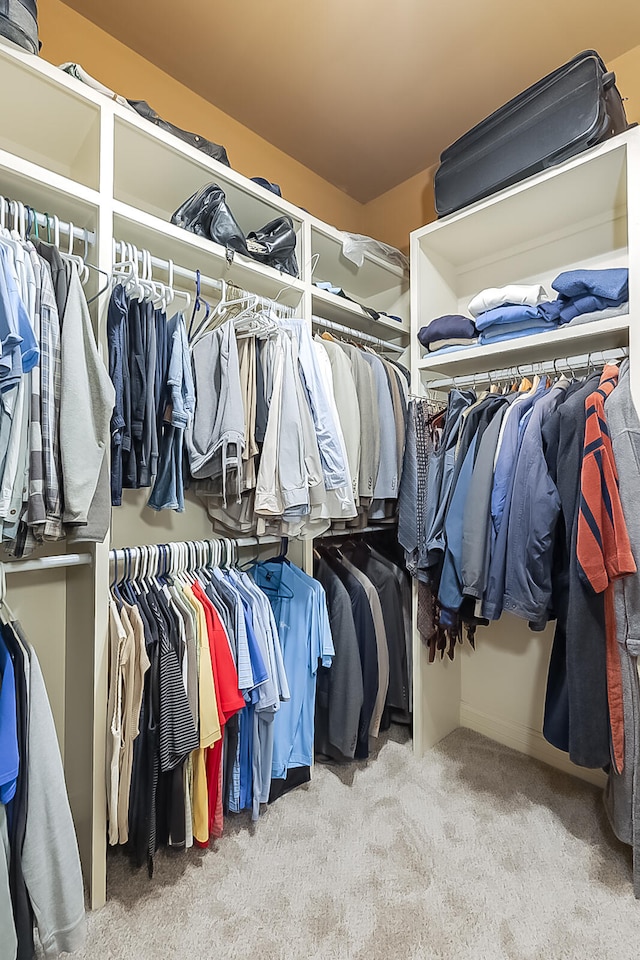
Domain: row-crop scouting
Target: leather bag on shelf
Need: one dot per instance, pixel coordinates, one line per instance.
(275, 245)
(205, 146)
(19, 23)
(207, 213)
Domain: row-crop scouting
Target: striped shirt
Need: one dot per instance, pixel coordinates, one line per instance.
(603, 548)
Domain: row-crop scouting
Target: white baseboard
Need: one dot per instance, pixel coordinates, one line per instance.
(525, 740)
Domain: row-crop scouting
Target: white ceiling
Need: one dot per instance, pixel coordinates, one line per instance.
(364, 92)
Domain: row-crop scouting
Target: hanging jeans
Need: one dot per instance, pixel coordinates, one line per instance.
(168, 490)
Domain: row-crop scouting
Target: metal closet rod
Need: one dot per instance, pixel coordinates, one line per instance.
(47, 563)
(48, 221)
(356, 334)
(131, 553)
(175, 270)
(358, 531)
(560, 365)
(171, 268)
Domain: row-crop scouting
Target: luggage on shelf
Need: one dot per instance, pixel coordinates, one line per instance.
(568, 111)
(19, 23)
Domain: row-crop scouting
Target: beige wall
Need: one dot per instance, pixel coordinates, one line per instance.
(68, 36)
(391, 217)
(627, 70)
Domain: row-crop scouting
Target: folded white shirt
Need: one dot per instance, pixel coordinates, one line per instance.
(518, 293)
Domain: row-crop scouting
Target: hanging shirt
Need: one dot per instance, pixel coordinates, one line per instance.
(305, 636)
(9, 755)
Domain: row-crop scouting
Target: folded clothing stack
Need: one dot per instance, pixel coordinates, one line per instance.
(586, 292)
(451, 332)
(505, 313)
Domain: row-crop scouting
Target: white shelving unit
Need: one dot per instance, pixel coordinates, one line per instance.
(68, 151)
(584, 213)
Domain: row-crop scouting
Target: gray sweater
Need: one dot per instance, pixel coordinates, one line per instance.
(622, 798)
(50, 859)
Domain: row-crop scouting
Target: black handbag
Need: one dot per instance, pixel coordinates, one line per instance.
(19, 23)
(275, 245)
(206, 213)
(210, 149)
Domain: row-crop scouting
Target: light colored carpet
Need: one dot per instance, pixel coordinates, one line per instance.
(474, 852)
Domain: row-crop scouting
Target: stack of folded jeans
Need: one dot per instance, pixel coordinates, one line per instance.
(451, 332)
(588, 292)
(506, 313)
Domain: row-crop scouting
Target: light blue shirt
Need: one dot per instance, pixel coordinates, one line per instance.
(300, 610)
(9, 756)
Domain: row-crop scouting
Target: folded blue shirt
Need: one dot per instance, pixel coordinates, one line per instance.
(499, 332)
(612, 283)
(587, 303)
(511, 314)
(450, 327)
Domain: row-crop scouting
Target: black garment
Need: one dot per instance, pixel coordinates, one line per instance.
(295, 777)
(368, 647)
(119, 374)
(576, 709)
(390, 595)
(402, 579)
(58, 273)
(178, 736)
(17, 808)
(146, 761)
(339, 691)
(137, 377)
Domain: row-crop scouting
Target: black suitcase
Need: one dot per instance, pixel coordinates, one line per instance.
(570, 110)
(19, 23)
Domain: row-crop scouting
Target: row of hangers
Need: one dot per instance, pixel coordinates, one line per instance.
(156, 562)
(253, 315)
(527, 376)
(23, 222)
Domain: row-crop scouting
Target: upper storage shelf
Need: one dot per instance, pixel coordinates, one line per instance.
(574, 215)
(54, 122)
(568, 215)
(156, 172)
(376, 284)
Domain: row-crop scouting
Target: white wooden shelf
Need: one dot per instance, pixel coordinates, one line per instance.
(338, 310)
(584, 213)
(168, 241)
(67, 150)
(562, 342)
(157, 172)
(48, 122)
(44, 190)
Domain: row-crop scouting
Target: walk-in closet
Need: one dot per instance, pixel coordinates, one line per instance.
(319, 467)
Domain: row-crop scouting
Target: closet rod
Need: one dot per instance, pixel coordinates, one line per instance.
(48, 221)
(559, 365)
(356, 334)
(358, 531)
(47, 563)
(172, 269)
(129, 553)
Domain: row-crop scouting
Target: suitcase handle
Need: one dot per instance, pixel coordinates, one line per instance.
(608, 80)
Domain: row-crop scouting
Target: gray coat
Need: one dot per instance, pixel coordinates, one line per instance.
(622, 800)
